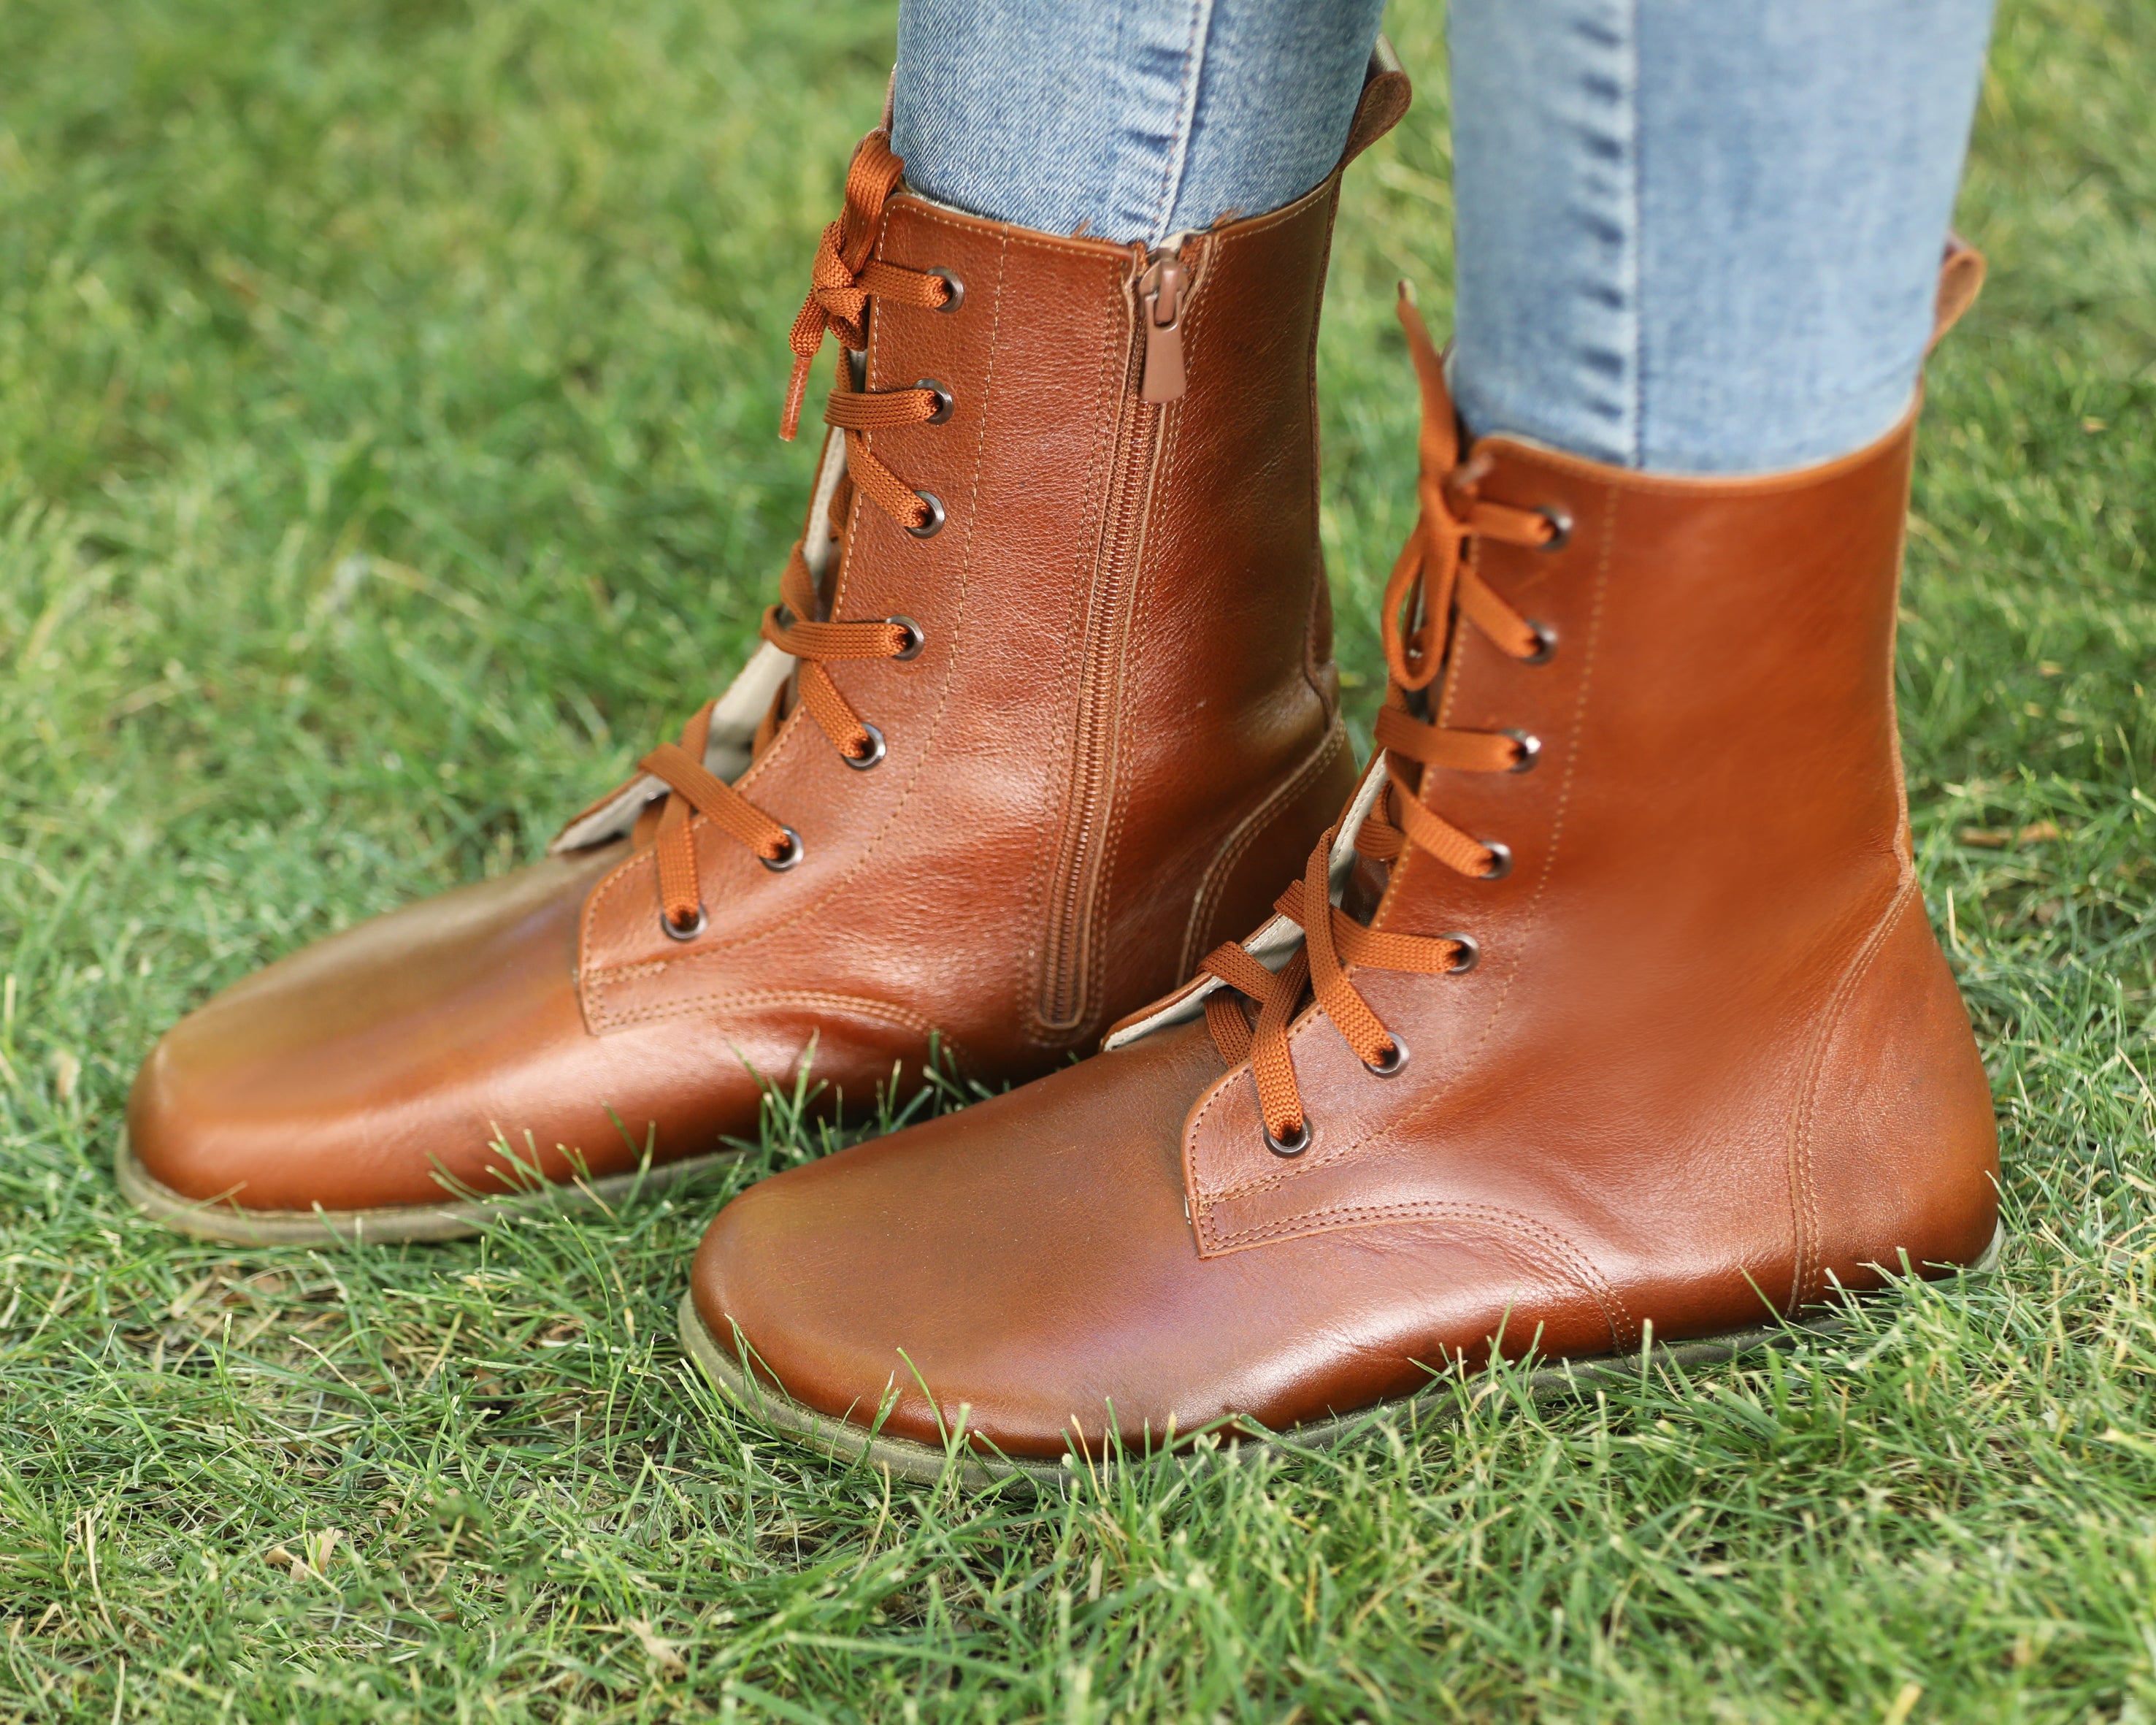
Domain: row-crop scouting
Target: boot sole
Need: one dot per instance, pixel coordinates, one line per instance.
(453, 1221)
(843, 1441)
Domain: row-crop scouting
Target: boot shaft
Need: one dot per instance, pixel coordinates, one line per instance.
(1713, 761)
(1121, 725)
(1704, 1005)
(1129, 591)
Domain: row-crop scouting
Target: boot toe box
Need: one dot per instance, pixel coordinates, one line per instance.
(1023, 1266)
(1028, 1267)
(365, 1070)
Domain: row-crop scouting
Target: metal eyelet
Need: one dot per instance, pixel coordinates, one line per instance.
(1545, 642)
(788, 857)
(951, 280)
(916, 638)
(676, 931)
(929, 528)
(1531, 748)
(1392, 1063)
(945, 401)
(874, 757)
(1469, 956)
(1293, 1146)
(1560, 521)
(1501, 861)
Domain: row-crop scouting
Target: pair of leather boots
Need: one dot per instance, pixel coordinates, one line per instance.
(1601, 1008)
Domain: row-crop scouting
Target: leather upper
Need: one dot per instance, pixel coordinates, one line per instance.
(1120, 729)
(1708, 1059)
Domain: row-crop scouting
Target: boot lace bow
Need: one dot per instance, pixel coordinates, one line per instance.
(1436, 590)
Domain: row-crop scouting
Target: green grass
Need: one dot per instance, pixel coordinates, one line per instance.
(387, 399)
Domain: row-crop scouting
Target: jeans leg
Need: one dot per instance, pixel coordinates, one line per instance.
(1126, 119)
(1703, 238)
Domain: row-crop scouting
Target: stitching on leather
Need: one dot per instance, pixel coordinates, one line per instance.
(1096, 901)
(1544, 1243)
(1120, 376)
(1905, 844)
(1428, 1105)
(828, 1000)
(1206, 906)
(1102, 898)
(1101, 251)
(961, 584)
(1114, 366)
(1807, 1280)
(1709, 488)
(1027, 955)
(1319, 587)
(1807, 1275)
(791, 998)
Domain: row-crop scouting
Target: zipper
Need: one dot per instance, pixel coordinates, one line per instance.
(1160, 289)
(1158, 292)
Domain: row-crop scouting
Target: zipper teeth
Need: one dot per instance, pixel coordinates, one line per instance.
(1063, 981)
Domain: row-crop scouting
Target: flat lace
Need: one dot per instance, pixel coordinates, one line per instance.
(844, 280)
(1435, 591)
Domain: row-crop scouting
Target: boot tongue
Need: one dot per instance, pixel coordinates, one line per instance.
(1365, 889)
(822, 546)
(645, 832)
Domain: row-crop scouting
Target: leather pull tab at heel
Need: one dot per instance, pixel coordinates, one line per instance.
(1961, 279)
(1386, 95)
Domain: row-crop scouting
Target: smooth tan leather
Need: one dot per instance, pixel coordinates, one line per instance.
(1711, 1058)
(1176, 545)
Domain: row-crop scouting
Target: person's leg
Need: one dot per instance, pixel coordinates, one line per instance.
(1126, 122)
(1702, 239)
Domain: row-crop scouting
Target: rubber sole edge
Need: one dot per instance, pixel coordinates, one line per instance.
(235, 1225)
(842, 1440)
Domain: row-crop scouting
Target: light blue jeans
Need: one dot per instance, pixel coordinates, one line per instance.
(1126, 119)
(1695, 236)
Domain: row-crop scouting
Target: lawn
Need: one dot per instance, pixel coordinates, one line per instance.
(388, 393)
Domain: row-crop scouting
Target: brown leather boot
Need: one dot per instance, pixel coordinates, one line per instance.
(1630, 1023)
(1047, 709)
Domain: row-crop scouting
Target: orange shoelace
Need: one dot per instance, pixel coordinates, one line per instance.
(1434, 588)
(844, 280)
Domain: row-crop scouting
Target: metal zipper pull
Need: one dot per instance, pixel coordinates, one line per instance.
(1160, 289)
